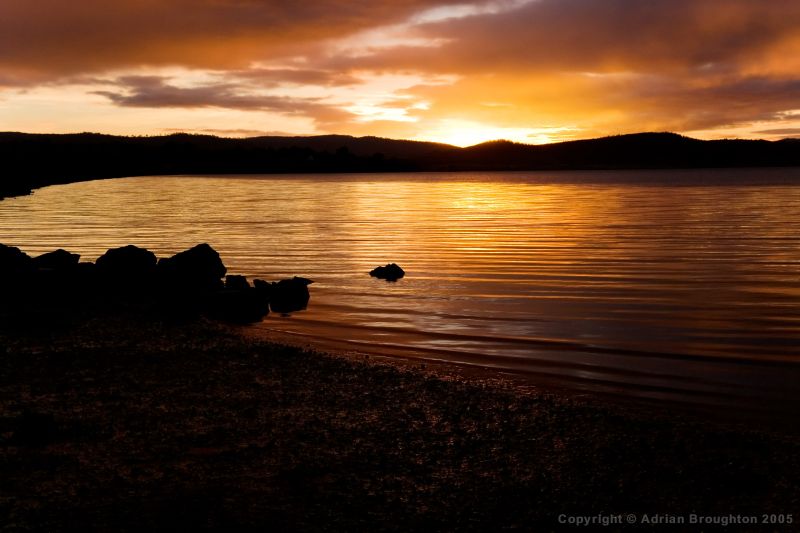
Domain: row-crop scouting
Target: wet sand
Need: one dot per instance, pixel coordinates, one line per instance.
(778, 411)
(131, 424)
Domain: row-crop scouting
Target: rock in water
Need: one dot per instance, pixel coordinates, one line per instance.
(127, 262)
(239, 302)
(196, 269)
(289, 295)
(241, 306)
(263, 286)
(16, 273)
(390, 272)
(187, 284)
(13, 261)
(126, 275)
(236, 282)
(57, 260)
(58, 279)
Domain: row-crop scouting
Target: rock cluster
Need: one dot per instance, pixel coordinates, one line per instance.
(189, 282)
(390, 272)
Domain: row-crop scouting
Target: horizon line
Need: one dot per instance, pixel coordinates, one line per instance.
(322, 135)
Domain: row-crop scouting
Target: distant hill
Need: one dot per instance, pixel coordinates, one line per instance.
(361, 146)
(639, 150)
(35, 160)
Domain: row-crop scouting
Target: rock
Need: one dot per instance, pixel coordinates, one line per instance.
(126, 275)
(14, 260)
(261, 285)
(239, 302)
(196, 269)
(390, 272)
(236, 282)
(241, 306)
(84, 275)
(57, 260)
(16, 274)
(187, 281)
(126, 263)
(289, 295)
(185, 285)
(16, 268)
(58, 281)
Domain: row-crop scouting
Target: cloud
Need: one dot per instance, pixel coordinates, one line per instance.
(779, 131)
(274, 77)
(602, 36)
(608, 66)
(157, 92)
(588, 66)
(737, 101)
(611, 104)
(46, 39)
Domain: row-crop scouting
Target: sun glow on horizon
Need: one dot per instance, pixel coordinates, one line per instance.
(469, 133)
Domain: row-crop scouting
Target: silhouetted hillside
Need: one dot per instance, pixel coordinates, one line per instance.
(35, 160)
(640, 150)
(360, 146)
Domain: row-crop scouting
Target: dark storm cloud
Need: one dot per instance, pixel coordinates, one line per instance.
(602, 36)
(43, 39)
(682, 108)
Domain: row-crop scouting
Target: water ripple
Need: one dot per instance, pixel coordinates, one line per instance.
(535, 272)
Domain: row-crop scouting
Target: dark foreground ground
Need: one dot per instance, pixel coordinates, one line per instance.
(119, 424)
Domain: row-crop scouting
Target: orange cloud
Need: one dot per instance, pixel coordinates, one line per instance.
(43, 39)
(656, 36)
(531, 69)
(610, 66)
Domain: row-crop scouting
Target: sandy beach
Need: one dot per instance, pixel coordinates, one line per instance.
(130, 424)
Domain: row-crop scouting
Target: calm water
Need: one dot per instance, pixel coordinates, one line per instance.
(681, 285)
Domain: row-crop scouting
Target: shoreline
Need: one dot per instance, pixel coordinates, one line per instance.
(121, 423)
(763, 417)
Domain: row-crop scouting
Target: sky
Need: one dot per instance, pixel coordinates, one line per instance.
(532, 71)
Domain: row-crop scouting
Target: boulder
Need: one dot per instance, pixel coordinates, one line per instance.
(390, 272)
(13, 262)
(57, 281)
(57, 260)
(239, 302)
(16, 274)
(185, 285)
(196, 269)
(12, 257)
(263, 286)
(289, 295)
(241, 306)
(236, 282)
(84, 275)
(127, 262)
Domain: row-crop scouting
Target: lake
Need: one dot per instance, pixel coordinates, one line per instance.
(666, 285)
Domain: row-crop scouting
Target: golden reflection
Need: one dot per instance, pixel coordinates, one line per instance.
(571, 256)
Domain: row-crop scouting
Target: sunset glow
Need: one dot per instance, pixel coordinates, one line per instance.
(532, 71)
